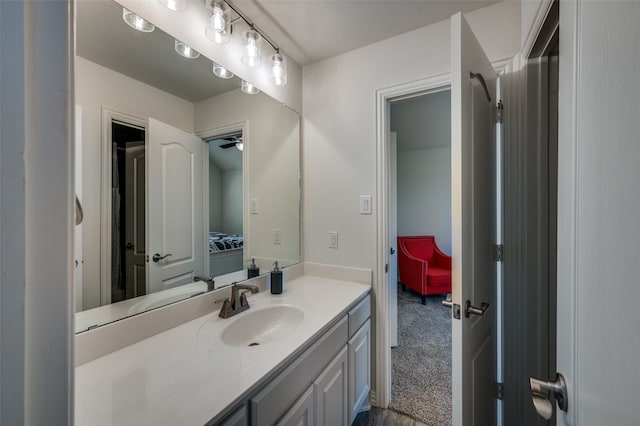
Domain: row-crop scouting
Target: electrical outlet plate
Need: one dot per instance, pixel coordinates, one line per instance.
(365, 204)
(333, 239)
(253, 207)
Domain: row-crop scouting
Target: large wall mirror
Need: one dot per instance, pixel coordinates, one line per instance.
(180, 174)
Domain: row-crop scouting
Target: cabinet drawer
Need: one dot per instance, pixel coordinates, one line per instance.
(359, 314)
(272, 401)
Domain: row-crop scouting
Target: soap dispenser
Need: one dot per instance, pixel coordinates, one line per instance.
(253, 270)
(276, 280)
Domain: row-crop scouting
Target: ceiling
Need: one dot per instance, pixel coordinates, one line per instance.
(306, 30)
(312, 30)
(103, 37)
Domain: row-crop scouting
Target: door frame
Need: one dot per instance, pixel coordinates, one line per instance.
(381, 393)
(239, 126)
(108, 116)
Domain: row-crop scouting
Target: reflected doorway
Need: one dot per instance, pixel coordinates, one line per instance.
(128, 229)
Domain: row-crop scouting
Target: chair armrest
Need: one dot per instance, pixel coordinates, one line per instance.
(411, 268)
(442, 260)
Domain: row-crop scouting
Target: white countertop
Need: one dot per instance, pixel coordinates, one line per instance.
(187, 375)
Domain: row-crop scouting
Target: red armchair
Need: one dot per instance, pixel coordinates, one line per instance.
(423, 267)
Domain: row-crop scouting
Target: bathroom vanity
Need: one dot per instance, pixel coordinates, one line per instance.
(304, 354)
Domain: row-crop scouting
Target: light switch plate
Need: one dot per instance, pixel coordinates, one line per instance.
(365, 204)
(277, 236)
(333, 239)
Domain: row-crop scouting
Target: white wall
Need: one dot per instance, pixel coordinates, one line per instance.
(272, 146)
(36, 214)
(423, 128)
(215, 198)
(98, 87)
(424, 194)
(339, 140)
(232, 202)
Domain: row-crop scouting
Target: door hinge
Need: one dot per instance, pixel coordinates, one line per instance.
(498, 253)
(386, 268)
(499, 109)
(500, 391)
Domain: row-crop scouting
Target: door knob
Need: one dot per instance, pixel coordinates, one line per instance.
(129, 246)
(157, 258)
(544, 392)
(469, 309)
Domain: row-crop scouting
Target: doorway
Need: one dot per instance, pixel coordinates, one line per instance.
(420, 204)
(128, 194)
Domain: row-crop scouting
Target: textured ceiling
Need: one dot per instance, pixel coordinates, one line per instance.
(307, 30)
(313, 30)
(104, 38)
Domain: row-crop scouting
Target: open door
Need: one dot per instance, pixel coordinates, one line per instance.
(473, 224)
(174, 207)
(393, 240)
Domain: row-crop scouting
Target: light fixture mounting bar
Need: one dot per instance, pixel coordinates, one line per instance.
(252, 25)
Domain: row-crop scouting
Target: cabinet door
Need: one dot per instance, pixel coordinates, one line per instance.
(239, 418)
(330, 390)
(359, 370)
(301, 413)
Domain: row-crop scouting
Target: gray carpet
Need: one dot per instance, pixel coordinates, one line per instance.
(421, 363)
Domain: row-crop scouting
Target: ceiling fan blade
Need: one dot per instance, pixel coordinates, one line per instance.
(227, 145)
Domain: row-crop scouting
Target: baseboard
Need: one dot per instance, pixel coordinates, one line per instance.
(336, 272)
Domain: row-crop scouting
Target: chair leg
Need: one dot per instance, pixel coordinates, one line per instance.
(404, 288)
(424, 299)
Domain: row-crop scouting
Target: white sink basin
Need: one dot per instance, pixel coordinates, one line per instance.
(258, 327)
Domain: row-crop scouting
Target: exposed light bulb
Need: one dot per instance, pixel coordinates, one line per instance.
(240, 146)
(251, 57)
(249, 88)
(175, 5)
(219, 27)
(221, 71)
(186, 50)
(279, 69)
(136, 22)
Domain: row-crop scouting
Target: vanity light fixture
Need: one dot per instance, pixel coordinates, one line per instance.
(278, 69)
(219, 27)
(175, 5)
(251, 56)
(136, 22)
(186, 50)
(221, 71)
(249, 88)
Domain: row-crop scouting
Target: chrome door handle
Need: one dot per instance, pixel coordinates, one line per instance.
(157, 258)
(469, 309)
(448, 303)
(543, 392)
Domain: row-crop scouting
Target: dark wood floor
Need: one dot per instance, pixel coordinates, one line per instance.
(382, 417)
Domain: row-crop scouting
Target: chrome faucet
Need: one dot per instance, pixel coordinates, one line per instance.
(238, 301)
(208, 280)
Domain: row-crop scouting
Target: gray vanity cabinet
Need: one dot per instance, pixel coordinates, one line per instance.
(331, 389)
(359, 352)
(301, 414)
(326, 385)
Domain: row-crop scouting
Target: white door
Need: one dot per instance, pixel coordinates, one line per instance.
(393, 240)
(598, 203)
(174, 209)
(473, 221)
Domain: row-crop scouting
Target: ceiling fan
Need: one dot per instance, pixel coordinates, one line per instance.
(235, 140)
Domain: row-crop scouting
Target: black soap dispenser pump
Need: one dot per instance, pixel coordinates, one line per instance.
(253, 270)
(276, 280)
